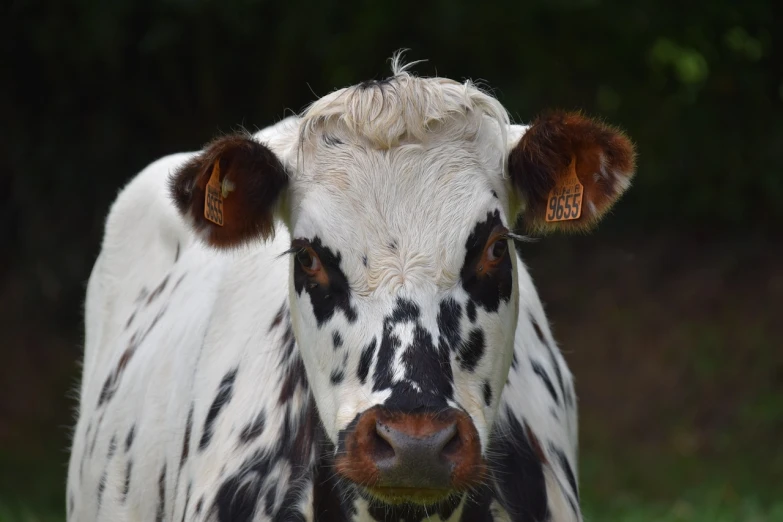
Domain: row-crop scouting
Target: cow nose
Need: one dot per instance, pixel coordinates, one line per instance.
(415, 458)
(397, 452)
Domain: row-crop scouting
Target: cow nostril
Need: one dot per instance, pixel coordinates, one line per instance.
(381, 443)
(452, 446)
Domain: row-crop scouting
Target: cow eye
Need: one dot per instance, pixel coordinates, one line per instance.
(497, 250)
(309, 260)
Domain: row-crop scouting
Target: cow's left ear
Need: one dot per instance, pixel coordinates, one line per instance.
(569, 170)
(230, 191)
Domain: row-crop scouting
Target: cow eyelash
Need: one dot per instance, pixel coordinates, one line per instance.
(292, 250)
(296, 247)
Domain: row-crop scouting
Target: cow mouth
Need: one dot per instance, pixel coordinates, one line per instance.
(406, 495)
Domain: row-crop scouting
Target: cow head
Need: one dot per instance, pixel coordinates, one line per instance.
(400, 197)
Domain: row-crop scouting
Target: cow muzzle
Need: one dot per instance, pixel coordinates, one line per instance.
(418, 458)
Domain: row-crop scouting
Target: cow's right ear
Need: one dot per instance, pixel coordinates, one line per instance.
(229, 191)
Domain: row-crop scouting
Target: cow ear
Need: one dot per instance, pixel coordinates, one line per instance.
(569, 170)
(229, 191)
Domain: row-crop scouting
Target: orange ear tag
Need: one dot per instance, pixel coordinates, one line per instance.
(565, 199)
(213, 201)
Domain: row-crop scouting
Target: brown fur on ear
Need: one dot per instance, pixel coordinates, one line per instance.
(256, 177)
(604, 159)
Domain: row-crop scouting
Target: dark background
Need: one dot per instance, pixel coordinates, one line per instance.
(670, 315)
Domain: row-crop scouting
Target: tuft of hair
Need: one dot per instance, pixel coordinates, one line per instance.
(604, 158)
(402, 108)
(252, 179)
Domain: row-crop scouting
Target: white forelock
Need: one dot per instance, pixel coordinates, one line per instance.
(401, 109)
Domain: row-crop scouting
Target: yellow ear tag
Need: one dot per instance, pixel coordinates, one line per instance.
(213, 201)
(565, 199)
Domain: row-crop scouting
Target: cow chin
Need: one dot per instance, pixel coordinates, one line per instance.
(410, 496)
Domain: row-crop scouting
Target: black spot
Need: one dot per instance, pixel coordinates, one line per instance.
(541, 372)
(143, 293)
(186, 441)
(494, 194)
(552, 358)
(330, 504)
(126, 487)
(538, 330)
(405, 311)
(107, 391)
(518, 473)
(112, 447)
(514, 361)
(569, 472)
(337, 376)
(477, 506)
(95, 434)
(429, 379)
(129, 438)
(158, 289)
(490, 289)
(238, 496)
(111, 385)
(269, 502)
(130, 320)
(337, 341)
(176, 254)
(471, 311)
(365, 360)
(179, 282)
(161, 511)
(449, 316)
(294, 378)
(253, 429)
(278, 317)
(199, 505)
(364, 260)
(224, 394)
(288, 341)
(472, 350)
(187, 501)
(393, 246)
(487, 392)
(326, 299)
(101, 487)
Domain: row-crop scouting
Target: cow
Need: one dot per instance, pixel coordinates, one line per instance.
(328, 320)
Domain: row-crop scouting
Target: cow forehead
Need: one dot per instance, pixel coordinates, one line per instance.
(393, 235)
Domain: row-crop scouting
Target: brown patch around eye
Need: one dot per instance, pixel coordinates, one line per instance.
(310, 263)
(495, 251)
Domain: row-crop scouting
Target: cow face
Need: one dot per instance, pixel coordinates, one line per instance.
(400, 198)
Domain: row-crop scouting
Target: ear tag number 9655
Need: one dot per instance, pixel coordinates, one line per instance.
(565, 200)
(213, 200)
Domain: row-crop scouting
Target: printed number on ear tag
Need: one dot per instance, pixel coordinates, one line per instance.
(213, 201)
(565, 200)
